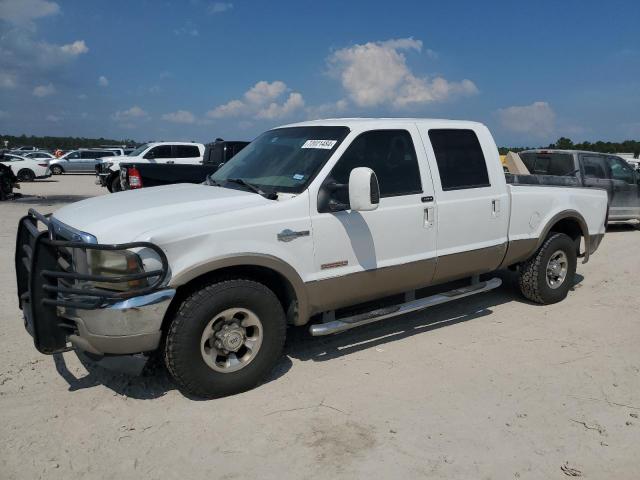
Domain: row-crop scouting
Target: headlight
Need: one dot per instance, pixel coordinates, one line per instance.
(115, 263)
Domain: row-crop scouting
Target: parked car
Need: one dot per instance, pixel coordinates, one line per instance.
(25, 149)
(26, 169)
(79, 161)
(342, 222)
(139, 175)
(40, 155)
(593, 170)
(108, 170)
(8, 181)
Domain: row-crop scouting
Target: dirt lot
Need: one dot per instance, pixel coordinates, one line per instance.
(492, 387)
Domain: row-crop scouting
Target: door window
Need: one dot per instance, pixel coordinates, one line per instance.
(595, 166)
(621, 170)
(390, 154)
(460, 159)
(559, 164)
(73, 156)
(162, 151)
(187, 151)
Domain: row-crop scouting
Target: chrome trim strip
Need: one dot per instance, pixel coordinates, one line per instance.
(56, 227)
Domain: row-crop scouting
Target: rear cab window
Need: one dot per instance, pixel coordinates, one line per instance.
(186, 151)
(549, 163)
(461, 163)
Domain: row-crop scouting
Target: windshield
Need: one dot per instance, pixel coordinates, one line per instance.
(284, 159)
(138, 151)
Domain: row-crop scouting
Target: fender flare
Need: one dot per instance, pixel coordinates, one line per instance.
(248, 260)
(563, 215)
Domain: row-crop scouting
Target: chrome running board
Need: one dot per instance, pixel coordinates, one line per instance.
(342, 324)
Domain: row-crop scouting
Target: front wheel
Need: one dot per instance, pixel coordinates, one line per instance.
(115, 185)
(548, 275)
(57, 170)
(225, 338)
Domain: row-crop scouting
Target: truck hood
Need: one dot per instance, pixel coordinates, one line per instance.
(127, 216)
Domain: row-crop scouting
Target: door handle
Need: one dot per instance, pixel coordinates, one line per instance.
(495, 207)
(428, 217)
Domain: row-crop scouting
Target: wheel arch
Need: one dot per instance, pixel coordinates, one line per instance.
(572, 224)
(272, 272)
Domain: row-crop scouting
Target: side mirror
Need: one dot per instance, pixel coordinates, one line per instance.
(364, 191)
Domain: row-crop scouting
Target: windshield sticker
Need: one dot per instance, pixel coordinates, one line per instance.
(323, 144)
(298, 176)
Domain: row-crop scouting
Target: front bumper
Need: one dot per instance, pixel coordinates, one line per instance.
(63, 310)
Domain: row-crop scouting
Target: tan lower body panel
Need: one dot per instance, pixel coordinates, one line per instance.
(347, 290)
(519, 250)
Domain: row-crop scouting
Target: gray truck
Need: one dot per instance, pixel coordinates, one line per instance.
(592, 170)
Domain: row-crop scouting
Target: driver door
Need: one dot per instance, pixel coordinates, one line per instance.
(364, 255)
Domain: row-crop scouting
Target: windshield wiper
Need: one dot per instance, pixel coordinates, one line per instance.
(253, 188)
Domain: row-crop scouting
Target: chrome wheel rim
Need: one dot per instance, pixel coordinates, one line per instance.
(557, 268)
(231, 340)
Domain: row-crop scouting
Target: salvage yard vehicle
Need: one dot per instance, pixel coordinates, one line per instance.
(26, 169)
(8, 181)
(79, 161)
(140, 175)
(333, 223)
(108, 170)
(592, 170)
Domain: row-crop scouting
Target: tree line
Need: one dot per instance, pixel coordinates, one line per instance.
(564, 143)
(69, 143)
(63, 143)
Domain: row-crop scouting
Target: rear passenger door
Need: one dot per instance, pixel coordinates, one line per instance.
(626, 200)
(596, 172)
(472, 201)
(189, 154)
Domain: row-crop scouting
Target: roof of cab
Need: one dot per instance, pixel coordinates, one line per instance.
(358, 123)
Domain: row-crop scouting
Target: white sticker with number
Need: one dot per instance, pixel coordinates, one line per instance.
(324, 144)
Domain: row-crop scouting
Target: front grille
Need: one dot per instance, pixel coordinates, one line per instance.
(50, 274)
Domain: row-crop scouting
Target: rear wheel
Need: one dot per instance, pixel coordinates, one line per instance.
(26, 175)
(548, 275)
(225, 338)
(57, 170)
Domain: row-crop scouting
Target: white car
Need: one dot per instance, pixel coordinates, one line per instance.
(26, 169)
(39, 155)
(108, 169)
(334, 223)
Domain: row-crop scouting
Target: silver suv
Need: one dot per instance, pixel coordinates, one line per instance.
(79, 161)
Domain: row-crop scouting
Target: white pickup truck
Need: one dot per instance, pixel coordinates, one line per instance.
(335, 223)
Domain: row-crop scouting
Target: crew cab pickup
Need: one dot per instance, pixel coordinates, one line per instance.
(139, 175)
(592, 170)
(332, 223)
(108, 169)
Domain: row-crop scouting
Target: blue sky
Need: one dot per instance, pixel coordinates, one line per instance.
(199, 69)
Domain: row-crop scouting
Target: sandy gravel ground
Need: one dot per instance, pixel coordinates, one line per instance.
(488, 388)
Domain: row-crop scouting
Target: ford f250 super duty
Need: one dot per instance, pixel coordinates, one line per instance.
(334, 223)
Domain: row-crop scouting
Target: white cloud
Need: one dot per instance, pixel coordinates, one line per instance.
(23, 12)
(103, 81)
(327, 109)
(261, 101)
(7, 80)
(180, 116)
(376, 74)
(274, 110)
(536, 119)
(219, 7)
(76, 48)
(44, 90)
(134, 112)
